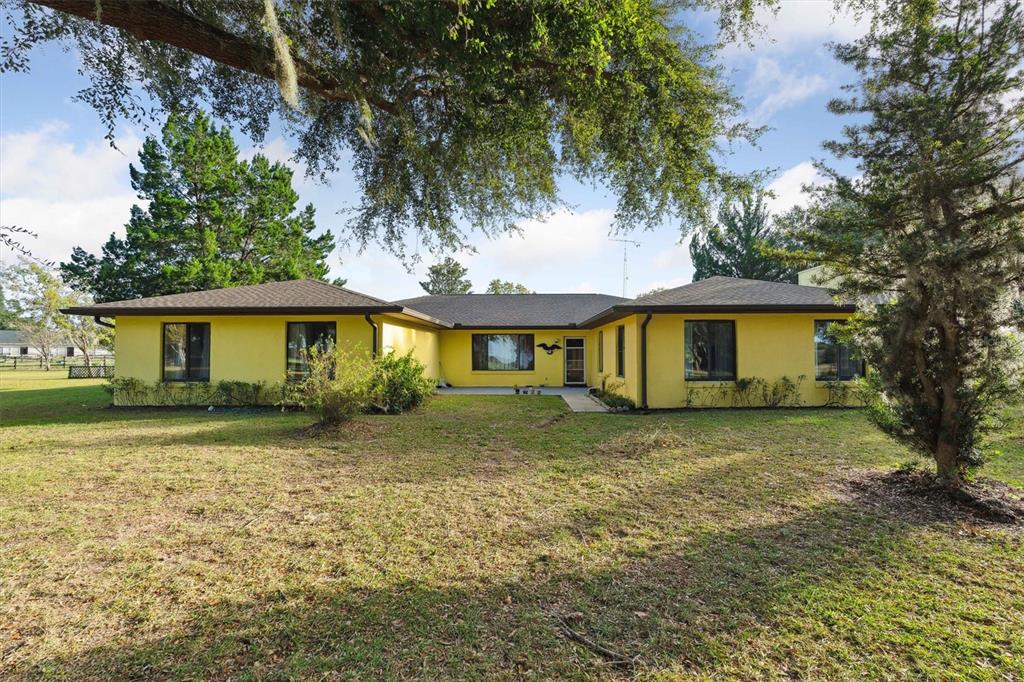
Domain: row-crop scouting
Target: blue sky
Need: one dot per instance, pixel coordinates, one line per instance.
(60, 178)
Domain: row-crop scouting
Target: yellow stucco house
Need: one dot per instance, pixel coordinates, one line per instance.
(687, 346)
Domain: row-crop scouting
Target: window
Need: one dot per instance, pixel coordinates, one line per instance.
(832, 359)
(600, 351)
(70, 351)
(503, 352)
(620, 351)
(303, 337)
(23, 350)
(186, 351)
(710, 350)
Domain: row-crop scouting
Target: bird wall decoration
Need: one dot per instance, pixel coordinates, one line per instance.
(549, 348)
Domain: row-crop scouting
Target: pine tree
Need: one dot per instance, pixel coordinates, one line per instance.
(447, 277)
(736, 246)
(213, 220)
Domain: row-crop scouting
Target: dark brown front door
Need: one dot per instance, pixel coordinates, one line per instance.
(575, 361)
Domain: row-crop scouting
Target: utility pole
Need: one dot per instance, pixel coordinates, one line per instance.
(625, 260)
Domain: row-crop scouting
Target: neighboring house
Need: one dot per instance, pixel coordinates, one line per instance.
(655, 349)
(14, 343)
(818, 276)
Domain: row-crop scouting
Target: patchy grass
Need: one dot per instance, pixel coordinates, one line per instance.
(471, 538)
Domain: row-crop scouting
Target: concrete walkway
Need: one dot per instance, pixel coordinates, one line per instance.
(577, 398)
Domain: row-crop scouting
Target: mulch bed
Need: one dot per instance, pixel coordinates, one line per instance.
(920, 496)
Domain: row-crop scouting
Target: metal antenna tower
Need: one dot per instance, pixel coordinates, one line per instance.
(625, 260)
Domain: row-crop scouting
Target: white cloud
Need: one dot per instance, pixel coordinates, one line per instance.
(565, 237)
(63, 225)
(777, 89)
(41, 161)
(678, 256)
(799, 23)
(788, 187)
(650, 285)
(70, 194)
(586, 287)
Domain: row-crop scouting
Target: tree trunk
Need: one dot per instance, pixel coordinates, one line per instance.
(88, 359)
(946, 465)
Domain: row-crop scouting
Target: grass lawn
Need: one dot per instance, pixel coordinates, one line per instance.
(482, 537)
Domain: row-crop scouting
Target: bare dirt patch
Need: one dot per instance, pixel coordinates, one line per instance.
(920, 495)
(354, 428)
(644, 441)
(552, 421)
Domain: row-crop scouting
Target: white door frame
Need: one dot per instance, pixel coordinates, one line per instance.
(565, 361)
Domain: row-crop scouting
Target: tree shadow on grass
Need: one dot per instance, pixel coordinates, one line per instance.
(691, 606)
(44, 406)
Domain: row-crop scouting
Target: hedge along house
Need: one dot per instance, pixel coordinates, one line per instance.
(688, 346)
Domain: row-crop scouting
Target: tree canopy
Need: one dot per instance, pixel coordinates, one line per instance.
(447, 277)
(741, 245)
(933, 227)
(37, 294)
(498, 286)
(451, 113)
(212, 220)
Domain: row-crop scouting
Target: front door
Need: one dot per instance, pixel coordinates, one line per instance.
(575, 361)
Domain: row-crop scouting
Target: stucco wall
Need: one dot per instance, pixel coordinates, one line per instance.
(403, 337)
(252, 349)
(247, 348)
(768, 346)
(629, 384)
(549, 370)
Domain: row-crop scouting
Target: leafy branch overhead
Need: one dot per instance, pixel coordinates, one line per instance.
(451, 113)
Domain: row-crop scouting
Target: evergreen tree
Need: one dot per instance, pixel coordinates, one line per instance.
(739, 245)
(498, 286)
(933, 228)
(447, 277)
(212, 220)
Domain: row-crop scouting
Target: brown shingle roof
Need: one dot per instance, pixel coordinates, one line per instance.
(727, 295)
(716, 294)
(301, 295)
(733, 291)
(513, 310)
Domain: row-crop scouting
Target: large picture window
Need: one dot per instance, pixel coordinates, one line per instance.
(620, 351)
(834, 360)
(186, 351)
(710, 350)
(302, 338)
(503, 352)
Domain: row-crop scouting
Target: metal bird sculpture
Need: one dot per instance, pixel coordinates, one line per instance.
(549, 348)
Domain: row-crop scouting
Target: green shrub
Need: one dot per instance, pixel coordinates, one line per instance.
(337, 385)
(132, 392)
(399, 383)
(241, 393)
(127, 391)
(610, 396)
(782, 392)
(341, 384)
